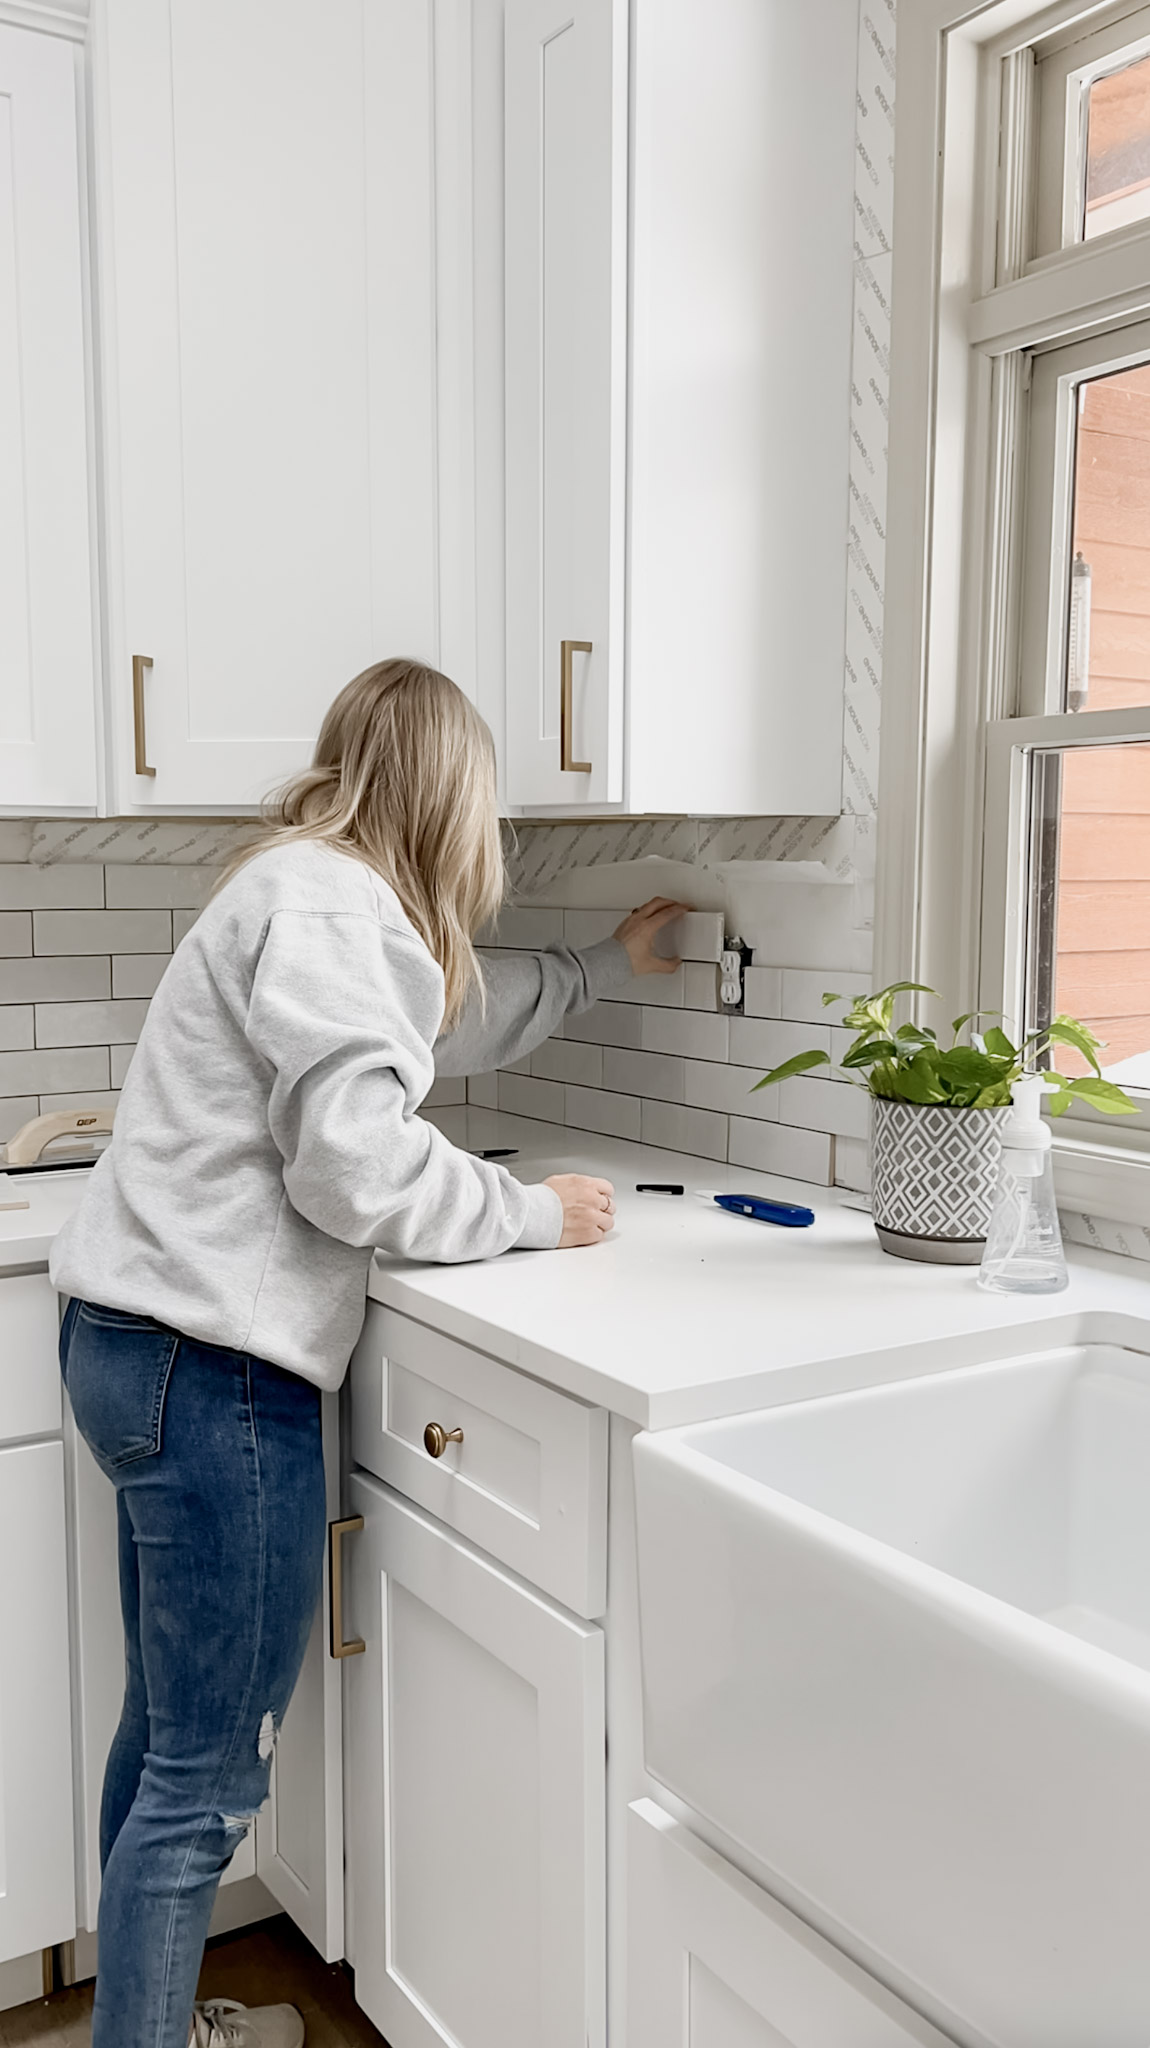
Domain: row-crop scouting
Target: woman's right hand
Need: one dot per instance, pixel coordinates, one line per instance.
(588, 1207)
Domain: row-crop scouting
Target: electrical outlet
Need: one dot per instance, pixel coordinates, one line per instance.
(734, 959)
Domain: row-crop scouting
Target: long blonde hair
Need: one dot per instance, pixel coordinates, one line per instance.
(403, 777)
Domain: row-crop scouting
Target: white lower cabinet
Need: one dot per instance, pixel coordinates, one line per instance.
(37, 1878)
(475, 1794)
(714, 1962)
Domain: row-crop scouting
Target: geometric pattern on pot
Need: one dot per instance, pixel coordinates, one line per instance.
(934, 1169)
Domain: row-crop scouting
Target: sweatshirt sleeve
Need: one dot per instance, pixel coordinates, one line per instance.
(344, 1011)
(527, 994)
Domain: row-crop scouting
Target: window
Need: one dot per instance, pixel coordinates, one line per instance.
(1015, 809)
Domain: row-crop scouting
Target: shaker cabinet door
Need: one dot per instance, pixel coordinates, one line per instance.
(475, 1794)
(299, 1833)
(47, 623)
(265, 195)
(565, 306)
(37, 1869)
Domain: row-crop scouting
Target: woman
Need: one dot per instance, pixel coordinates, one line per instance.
(268, 1140)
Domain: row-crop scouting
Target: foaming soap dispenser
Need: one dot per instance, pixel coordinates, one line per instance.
(1023, 1253)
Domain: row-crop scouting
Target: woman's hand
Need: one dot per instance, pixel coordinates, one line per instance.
(637, 933)
(588, 1207)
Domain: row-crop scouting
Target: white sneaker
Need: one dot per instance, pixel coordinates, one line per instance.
(224, 2023)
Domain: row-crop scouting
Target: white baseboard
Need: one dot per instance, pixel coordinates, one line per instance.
(21, 1979)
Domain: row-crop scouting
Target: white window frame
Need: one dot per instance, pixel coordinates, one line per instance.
(970, 310)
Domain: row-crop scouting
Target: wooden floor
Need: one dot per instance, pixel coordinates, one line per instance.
(267, 1965)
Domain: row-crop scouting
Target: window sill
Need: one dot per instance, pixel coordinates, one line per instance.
(1109, 1180)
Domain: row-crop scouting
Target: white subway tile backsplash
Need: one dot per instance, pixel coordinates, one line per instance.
(520, 1095)
(54, 888)
(87, 945)
(15, 1112)
(700, 986)
(447, 1093)
(483, 1090)
(687, 1032)
(138, 974)
(664, 989)
(119, 1060)
(852, 1164)
(698, 935)
(522, 1066)
(587, 927)
(30, 1073)
(563, 1059)
(162, 887)
(113, 1023)
(676, 1128)
(529, 930)
(86, 1098)
(17, 1027)
(650, 1074)
(589, 1109)
(15, 937)
(773, 1148)
(102, 931)
(55, 980)
(607, 1024)
(824, 1106)
(725, 1088)
(763, 992)
(803, 989)
(766, 1042)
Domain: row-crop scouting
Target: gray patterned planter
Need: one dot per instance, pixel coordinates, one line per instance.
(933, 1174)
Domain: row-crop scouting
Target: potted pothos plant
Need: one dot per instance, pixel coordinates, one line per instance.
(938, 1112)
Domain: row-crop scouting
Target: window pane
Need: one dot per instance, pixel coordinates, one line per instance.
(1118, 149)
(1108, 651)
(1089, 938)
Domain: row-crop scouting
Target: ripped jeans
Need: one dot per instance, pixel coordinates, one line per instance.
(217, 1462)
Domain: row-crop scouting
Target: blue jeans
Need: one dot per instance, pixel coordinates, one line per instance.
(218, 1468)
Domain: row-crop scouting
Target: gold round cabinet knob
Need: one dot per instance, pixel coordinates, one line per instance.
(436, 1439)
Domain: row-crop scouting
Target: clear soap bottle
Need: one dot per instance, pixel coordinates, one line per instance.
(1023, 1253)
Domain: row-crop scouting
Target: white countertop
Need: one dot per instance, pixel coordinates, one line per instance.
(27, 1233)
(684, 1312)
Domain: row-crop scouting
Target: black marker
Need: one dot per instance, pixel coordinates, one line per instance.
(659, 1187)
(500, 1152)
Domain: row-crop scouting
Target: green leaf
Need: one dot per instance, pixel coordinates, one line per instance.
(1104, 1095)
(917, 1082)
(797, 1065)
(1068, 1031)
(997, 1041)
(865, 1051)
(995, 1097)
(915, 1034)
(969, 1016)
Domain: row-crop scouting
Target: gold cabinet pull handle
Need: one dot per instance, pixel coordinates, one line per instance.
(336, 1532)
(436, 1439)
(139, 663)
(566, 711)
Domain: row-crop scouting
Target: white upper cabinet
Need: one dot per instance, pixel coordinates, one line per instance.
(678, 287)
(566, 286)
(47, 671)
(266, 225)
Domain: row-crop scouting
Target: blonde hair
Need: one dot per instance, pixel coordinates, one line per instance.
(403, 778)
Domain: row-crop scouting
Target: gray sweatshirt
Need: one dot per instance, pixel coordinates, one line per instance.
(268, 1137)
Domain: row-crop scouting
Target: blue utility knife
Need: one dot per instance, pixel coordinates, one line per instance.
(789, 1214)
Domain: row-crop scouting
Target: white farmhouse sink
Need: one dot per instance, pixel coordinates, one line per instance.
(897, 1644)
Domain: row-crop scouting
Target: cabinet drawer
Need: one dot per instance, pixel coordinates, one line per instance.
(528, 1482)
(30, 1397)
